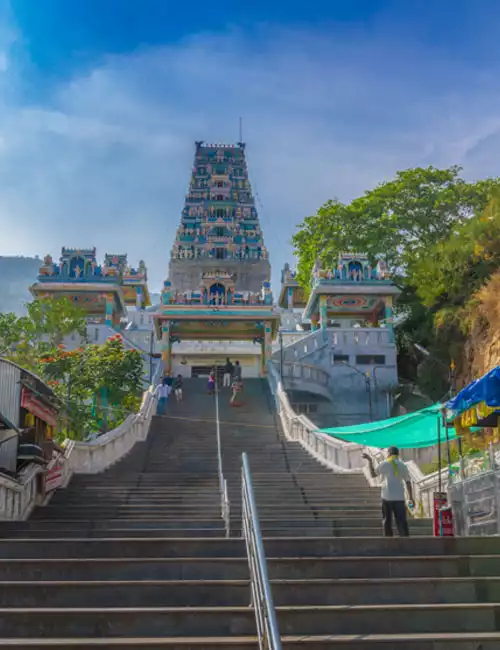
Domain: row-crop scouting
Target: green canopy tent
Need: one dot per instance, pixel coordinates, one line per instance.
(410, 431)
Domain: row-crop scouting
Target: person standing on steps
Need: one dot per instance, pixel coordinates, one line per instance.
(177, 386)
(394, 474)
(163, 391)
(236, 388)
(237, 375)
(228, 373)
(211, 382)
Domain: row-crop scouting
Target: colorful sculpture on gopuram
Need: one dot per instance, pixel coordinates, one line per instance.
(103, 291)
(219, 274)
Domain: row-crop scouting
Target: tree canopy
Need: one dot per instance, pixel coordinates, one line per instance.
(396, 221)
(440, 238)
(98, 385)
(48, 321)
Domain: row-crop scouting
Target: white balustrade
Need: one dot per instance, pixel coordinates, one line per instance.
(360, 336)
(336, 454)
(340, 456)
(304, 371)
(19, 497)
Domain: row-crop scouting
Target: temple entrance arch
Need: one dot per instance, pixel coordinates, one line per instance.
(217, 294)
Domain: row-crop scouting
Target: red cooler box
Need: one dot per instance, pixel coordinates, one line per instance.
(443, 516)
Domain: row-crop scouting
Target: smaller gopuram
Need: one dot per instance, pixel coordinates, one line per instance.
(102, 291)
(353, 294)
(134, 283)
(292, 295)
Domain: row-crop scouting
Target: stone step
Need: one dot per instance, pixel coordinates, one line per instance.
(235, 568)
(123, 548)
(221, 593)
(92, 532)
(460, 548)
(73, 569)
(173, 521)
(137, 594)
(265, 498)
(227, 621)
(443, 641)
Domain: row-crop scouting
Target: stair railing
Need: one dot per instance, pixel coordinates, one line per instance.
(225, 506)
(262, 599)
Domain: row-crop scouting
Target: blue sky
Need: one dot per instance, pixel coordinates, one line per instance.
(101, 101)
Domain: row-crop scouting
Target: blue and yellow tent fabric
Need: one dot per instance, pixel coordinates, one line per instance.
(476, 403)
(410, 431)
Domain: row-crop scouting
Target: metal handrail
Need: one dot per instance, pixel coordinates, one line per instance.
(262, 599)
(225, 506)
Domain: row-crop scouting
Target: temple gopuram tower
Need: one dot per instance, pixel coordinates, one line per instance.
(219, 227)
(218, 287)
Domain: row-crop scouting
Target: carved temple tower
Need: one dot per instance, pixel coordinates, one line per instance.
(219, 228)
(218, 287)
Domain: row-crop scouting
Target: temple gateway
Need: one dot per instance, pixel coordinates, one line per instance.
(218, 292)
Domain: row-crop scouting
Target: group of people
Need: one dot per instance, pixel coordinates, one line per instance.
(169, 385)
(231, 379)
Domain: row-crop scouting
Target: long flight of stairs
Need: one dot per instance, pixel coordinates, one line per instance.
(136, 557)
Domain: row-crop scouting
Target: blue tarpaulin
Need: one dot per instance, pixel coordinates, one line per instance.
(484, 390)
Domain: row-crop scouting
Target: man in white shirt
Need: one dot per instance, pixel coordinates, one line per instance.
(163, 392)
(394, 474)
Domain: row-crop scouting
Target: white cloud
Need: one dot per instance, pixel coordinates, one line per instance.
(107, 161)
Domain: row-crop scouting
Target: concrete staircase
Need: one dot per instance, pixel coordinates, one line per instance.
(295, 494)
(135, 557)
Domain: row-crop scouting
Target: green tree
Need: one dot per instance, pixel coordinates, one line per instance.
(396, 221)
(456, 267)
(98, 384)
(11, 332)
(50, 320)
(24, 339)
(439, 237)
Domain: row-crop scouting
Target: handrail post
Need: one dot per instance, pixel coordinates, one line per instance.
(223, 492)
(262, 599)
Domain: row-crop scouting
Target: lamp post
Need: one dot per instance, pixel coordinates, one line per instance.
(281, 354)
(451, 390)
(151, 349)
(375, 385)
(367, 386)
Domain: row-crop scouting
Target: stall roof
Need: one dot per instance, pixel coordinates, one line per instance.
(40, 384)
(410, 431)
(485, 390)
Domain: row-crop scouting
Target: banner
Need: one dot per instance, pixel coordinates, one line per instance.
(54, 476)
(35, 406)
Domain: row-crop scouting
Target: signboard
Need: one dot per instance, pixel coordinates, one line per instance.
(443, 516)
(31, 403)
(54, 476)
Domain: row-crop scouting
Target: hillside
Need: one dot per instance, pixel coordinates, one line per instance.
(16, 275)
(482, 348)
